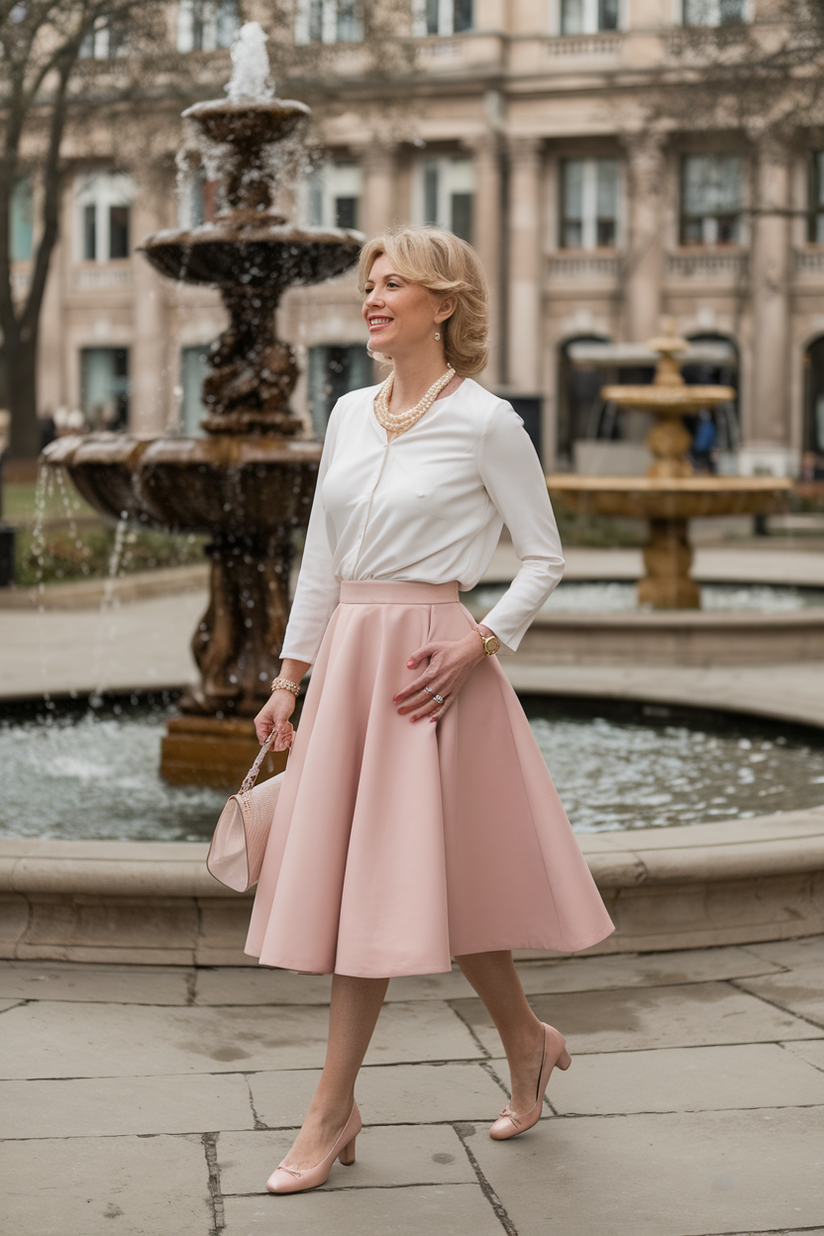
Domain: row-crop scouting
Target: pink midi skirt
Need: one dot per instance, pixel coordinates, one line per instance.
(396, 846)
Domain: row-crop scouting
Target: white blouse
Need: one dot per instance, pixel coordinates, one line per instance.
(429, 507)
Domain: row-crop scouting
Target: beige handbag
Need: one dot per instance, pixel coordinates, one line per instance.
(239, 842)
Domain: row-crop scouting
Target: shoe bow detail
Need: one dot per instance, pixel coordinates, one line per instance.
(293, 1171)
(510, 1123)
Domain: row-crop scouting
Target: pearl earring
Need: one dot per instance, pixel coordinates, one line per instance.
(437, 334)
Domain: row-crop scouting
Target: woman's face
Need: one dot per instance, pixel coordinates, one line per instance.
(401, 316)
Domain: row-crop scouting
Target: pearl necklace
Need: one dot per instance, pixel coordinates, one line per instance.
(404, 420)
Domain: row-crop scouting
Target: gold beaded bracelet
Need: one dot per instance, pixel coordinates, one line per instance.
(285, 684)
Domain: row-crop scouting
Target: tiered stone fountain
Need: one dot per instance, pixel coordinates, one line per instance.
(669, 495)
(249, 483)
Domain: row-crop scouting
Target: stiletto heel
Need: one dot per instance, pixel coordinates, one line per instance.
(285, 1179)
(347, 1155)
(511, 1123)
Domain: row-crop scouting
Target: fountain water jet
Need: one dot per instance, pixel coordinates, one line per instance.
(249, 483)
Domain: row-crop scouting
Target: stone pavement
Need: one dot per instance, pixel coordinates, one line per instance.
(155, 1102)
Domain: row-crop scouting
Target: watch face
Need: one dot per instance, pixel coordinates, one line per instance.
(491, 644)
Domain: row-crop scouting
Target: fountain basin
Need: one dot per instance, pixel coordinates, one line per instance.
(247, 121)
(725, 882)
(242, 485)
(736, 882)
(676, 400)
(251, 494)
(675, 637)
(689, 497)
(254, 254)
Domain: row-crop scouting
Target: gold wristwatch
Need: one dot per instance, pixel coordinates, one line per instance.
(491, 643)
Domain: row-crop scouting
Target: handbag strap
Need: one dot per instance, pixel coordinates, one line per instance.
(252, 775)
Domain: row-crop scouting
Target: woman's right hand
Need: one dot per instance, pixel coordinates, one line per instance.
(274, 715)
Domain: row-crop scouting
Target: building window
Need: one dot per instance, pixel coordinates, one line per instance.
(442, 17)
(104, 387)
(589, 199)
(335, 191)
(206, 25)
(714, 12)
(105, 40)
(21, 221)
(815, 218)
(194, 366)
(444, 192)
(328, 21)
(589, 16)
(335, 369)
(711, 200)
(103, 216)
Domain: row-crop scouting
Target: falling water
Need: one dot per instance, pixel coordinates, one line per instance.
(106, 626)
(38, 549)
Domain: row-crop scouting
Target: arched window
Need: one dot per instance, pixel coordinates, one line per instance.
(717, 365)
(813, 433)
(579, 398)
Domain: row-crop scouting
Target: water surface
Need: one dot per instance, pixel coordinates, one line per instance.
(85, 775)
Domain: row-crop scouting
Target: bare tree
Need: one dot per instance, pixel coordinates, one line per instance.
(758, 77)
(62, 60)
(55, 56)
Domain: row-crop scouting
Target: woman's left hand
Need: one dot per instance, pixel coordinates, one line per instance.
(450, 662)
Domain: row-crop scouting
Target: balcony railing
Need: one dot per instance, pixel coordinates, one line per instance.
(584, 45)
(101, 278)
(572, 267)
(730, 266)
(809, 261)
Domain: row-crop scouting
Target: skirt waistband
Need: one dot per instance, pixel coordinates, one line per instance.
(396, 592)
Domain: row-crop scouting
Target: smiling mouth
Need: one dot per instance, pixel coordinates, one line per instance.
(377, 323)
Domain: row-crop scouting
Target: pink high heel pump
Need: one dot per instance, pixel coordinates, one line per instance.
(285, 1179)
(510, 1123)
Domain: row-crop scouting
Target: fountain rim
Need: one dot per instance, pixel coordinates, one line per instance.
(667, 400)
(224, 231)
(669, 484)
(246, 106)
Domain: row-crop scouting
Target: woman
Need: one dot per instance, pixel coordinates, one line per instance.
(417, 820)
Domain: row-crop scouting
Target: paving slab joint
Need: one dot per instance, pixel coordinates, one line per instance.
(260, 1125)
(489, 1069)
(811, 1021)
(481, 1047)
(210, 1147)
(463, 1133)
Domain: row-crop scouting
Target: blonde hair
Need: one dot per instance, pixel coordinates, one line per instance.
(442, 263)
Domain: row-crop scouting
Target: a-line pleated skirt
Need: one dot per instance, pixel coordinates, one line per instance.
(397, 845)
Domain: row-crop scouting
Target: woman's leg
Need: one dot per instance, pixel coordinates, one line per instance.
(353, 1012)
(494, 977)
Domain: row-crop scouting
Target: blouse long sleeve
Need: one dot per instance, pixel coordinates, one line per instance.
(318, 590)
(513, 478)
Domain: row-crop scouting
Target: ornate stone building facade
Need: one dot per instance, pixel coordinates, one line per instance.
(536, 129)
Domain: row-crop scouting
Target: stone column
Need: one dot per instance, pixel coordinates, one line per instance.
(767, 417)
(644, 267)
(487, 238)
(150, 382)
(380, 169)
(525, 275)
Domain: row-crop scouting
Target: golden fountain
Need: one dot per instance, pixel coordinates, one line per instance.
(669, 495)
